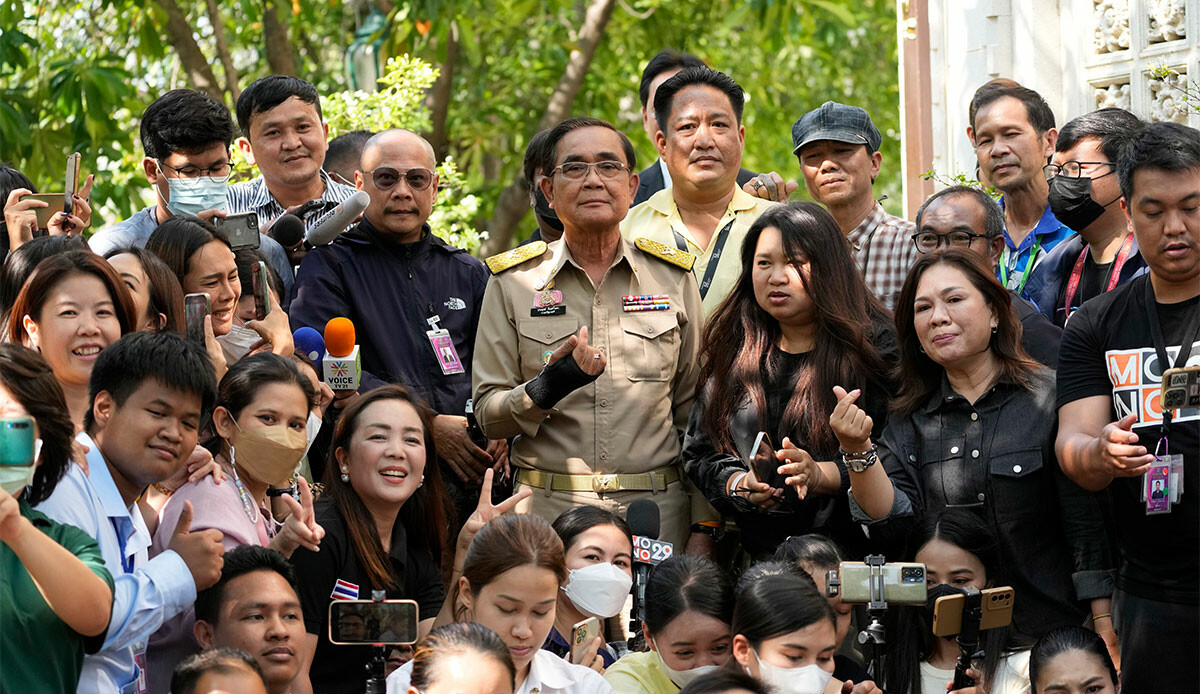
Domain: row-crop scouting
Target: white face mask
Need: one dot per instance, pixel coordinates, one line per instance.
(809, 679)
(14, 478)
(598, 590)
(238, 341)
(682, 678)
(312, 429)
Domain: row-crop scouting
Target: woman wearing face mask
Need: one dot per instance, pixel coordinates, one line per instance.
(511, 578)
(689, 606)
(460, 658)
(73, 306)
(259, 420)
(599, 551)
(958, 551)
(1072, 660)
(157, 296)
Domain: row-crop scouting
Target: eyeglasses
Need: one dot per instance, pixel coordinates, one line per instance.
(386, 177)
(576, 170)
(217, 172)
(928, 241)
(1073, 169)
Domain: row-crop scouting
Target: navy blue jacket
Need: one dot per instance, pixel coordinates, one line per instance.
(1048, 278)
(389, 290)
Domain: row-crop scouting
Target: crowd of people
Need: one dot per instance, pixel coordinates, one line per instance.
(189, 498)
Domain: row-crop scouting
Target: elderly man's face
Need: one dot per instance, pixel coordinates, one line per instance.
(398, 174)
(960, 214)
(595, 201)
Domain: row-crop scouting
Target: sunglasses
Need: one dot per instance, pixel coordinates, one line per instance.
(386, 177)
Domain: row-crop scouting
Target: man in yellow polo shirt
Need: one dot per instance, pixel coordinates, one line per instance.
(704, 212)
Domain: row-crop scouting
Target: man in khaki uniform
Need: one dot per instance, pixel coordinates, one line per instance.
(587, 348)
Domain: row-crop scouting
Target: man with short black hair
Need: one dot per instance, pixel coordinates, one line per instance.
(219, 671)
(1113, 433)
(1012, 130)
(549, 227)
(1084, 191)
(254, 607)
(341, 159)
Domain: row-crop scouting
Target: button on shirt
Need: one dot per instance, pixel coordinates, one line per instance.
(548, 674)
(1016, 257)
(629, 420)
(884, 251)
(658, 219)
(146, 592)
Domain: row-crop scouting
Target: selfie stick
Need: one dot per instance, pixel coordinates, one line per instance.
(968, 637)
(377, 668)
(875, 635)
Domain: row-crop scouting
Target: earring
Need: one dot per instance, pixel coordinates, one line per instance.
(345, 475)
(994, 328)
(419, 484)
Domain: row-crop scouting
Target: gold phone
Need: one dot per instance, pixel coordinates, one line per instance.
(997, 606)
(1180, 388)
(582, 635)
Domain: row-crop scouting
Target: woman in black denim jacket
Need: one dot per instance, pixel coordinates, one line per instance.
(973, 425)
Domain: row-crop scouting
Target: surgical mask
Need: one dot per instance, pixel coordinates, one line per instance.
(541, 207)
(237, 342)
(1071, 201)
(14, 478)
(809, 679)
(598, 590)
(938, 591)
(682, 678)
(191, 196)
(311, 430)
(268, 454)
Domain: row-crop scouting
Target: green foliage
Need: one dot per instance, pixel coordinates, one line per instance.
(1189, 90)
(960, 179)
(399, 103)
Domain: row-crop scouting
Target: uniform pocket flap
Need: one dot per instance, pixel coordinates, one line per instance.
(548, 330)
(1018, 463)
(650, 324)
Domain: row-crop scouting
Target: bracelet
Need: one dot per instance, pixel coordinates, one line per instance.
(163, 489)
(859, 455)
(736, 482)
(1102, 616)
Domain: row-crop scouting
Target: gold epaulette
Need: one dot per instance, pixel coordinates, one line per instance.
(674, 256)
(514, 257)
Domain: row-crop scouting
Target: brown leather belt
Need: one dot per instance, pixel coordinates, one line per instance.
(653, 481)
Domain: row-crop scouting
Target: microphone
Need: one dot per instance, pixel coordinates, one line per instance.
(648, 550)
(288, 230)
(342, 363)
(310, 342)
(328, 227)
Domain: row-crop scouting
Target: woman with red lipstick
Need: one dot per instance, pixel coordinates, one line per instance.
(973, 425)
(384, 513)
(71, 307)
(799, 321)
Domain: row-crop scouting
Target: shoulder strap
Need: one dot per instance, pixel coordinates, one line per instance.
(511, 258)
(673, 256)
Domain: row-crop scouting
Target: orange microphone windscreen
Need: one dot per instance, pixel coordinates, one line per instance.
(339, 337)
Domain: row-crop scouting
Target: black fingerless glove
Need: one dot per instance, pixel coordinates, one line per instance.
(557, 381)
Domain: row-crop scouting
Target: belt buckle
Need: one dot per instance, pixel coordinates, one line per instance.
(605, 483)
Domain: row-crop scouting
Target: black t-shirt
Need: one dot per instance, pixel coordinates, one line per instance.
(1107, 350)
(1093, 280)
(342, 669)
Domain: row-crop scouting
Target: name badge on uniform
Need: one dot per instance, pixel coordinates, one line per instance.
(646, 302)
(547, 302)
(443, 348)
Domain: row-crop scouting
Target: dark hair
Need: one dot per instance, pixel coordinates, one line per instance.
(810, 553)
(166, 294)
(664, 98)
(507, 542)
(176, 241)
(1037, 111)
(19, 264)
(223, 661)
(460, 638)
(345, 149)
(535, 156)
(1164, 146)
(170, 360)
(184, 120)
(57, 269)
(666, 60)
(993, 216)
(773, 604)
(740, 334)
(25, 374)
(558, 132)
(684, 583)
(1064, 640)
(919, 376)
(245, 259)
(724, 681)
(1115, 128)
(10, 180)
(243, 380)
(265, 93)
(426, 515)
(578, 519)
(240, 561)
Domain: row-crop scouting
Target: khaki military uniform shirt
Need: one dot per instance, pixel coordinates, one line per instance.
(631, 419)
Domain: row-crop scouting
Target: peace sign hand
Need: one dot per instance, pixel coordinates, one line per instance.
(301, 528)
(485, 512)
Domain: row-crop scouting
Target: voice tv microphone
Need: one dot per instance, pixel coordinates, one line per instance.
(342, 363)
(334, 223)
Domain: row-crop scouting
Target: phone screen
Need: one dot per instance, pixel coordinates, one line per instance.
(369, 622)
(262, 291)
(72, 186)
(763, 461)
(196, 307)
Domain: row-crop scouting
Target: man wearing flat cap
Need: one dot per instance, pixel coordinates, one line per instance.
(838, 149)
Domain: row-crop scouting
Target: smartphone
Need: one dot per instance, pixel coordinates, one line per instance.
(262, 290)
(54, 202)
(359, 622)
(16, 441)
(764, 463)
(997, 604)
(1180, 388)
(73, 161)
(195, 308)
(903, 583)
(242, 229)
(582, 635)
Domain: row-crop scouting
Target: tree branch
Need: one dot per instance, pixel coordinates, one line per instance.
(281, 58)
(195, 64)
(231, 75)
(439, 97)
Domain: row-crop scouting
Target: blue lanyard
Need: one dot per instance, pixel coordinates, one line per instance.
(126, 562)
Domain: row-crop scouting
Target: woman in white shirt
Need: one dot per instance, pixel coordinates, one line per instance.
(511, 576)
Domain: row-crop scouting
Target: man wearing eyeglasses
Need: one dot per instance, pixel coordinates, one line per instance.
(414, 299)
(1085, 195)
(968, 218)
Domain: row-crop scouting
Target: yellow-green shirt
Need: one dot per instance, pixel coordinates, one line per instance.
(658, 219)
(639, 673)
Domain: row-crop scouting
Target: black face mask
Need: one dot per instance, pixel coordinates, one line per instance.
(940, 590)
(541, 208)
(1071, 201)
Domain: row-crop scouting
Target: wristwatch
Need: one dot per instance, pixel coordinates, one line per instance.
(857, 462)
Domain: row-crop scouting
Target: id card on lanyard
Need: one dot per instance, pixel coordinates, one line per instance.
(443, 347)
(1114, 275)
(139, 684)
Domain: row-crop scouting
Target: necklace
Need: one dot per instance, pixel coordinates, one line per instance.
(248, 504)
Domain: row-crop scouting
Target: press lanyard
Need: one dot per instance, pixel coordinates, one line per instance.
(1160, 347)
(1114, 272)
(713, 259)
(1037, 245)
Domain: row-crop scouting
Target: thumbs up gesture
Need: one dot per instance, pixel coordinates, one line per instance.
(202, 551)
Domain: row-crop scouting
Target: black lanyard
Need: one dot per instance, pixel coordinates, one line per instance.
(713, 260)
(1185, 346)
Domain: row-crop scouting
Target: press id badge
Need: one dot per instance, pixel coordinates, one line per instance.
(443, 348)
(1156, 488)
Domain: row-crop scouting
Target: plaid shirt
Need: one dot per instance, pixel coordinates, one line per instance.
(884, 251)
